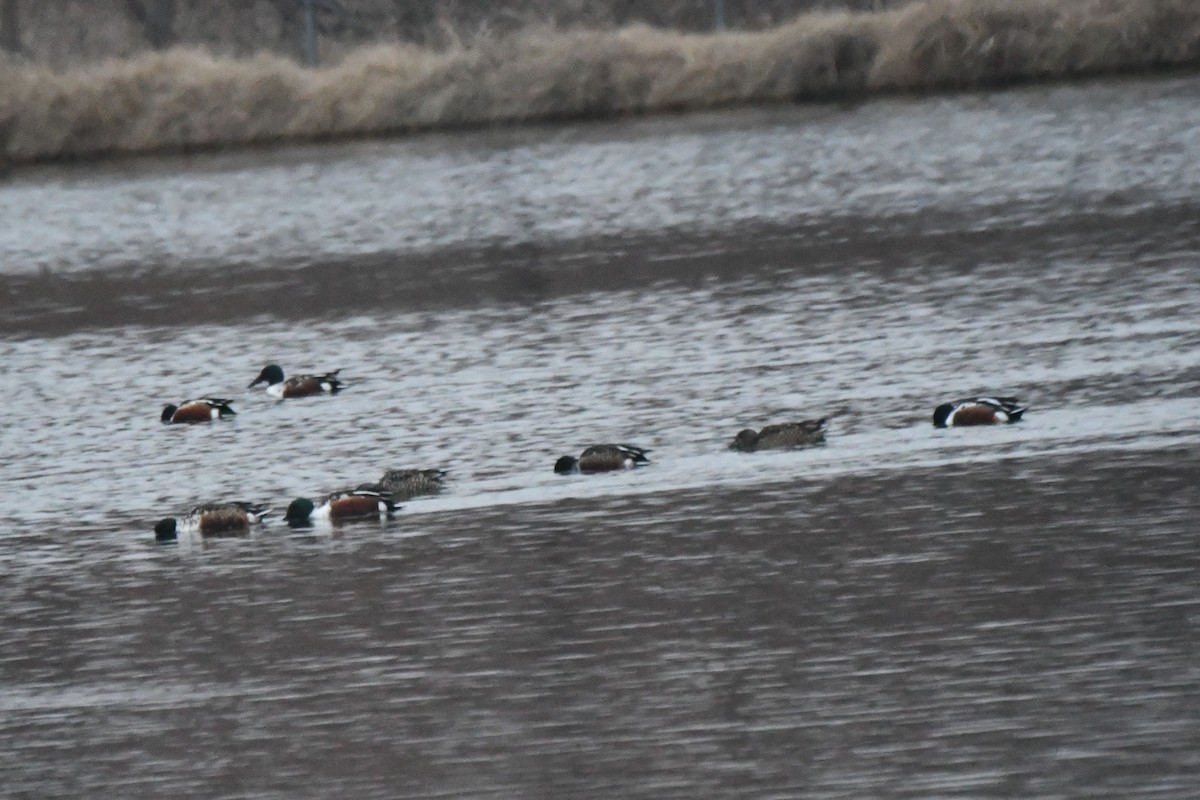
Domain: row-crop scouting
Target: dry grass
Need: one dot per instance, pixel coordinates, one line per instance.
(186, 98)
(947, 43)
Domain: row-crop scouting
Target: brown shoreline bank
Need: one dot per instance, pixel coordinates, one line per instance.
(181, 100)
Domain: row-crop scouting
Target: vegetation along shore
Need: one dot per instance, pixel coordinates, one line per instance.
(183, 97)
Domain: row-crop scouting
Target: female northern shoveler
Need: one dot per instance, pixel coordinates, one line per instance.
(297, 385)
(978, 411)
(603, 458)
(204, 409)
(781, 437)
(405, 484)
(349, 504)
(213, 519)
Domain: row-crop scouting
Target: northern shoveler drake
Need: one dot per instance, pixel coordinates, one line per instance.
(213, 519)
(603, 458)
(204, 409)
(781, 437)
(405, 484)
(339, 506)
(297, 385)
(978, 411)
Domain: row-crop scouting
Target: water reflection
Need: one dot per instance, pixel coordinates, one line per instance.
(902, 612)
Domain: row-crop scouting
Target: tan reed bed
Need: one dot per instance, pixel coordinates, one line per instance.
(181, 99)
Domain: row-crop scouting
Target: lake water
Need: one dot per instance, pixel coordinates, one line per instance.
(904, 612)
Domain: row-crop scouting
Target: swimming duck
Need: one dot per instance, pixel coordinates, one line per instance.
(603, 458)
(213, 519)
(978, 411)
(204, 409)
(297, 385)
(405, 484)
(339, 506)
(780, 437)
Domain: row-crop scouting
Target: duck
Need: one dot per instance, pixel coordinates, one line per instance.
(203, 409)
(781, 437)
(603, 458)
(978, 411)
(297, 385)
(339, 506)
(213, 519)
(405, 484)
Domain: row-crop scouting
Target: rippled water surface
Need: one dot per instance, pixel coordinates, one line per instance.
(904, 612)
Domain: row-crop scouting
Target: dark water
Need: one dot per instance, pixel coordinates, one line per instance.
(904, 612)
